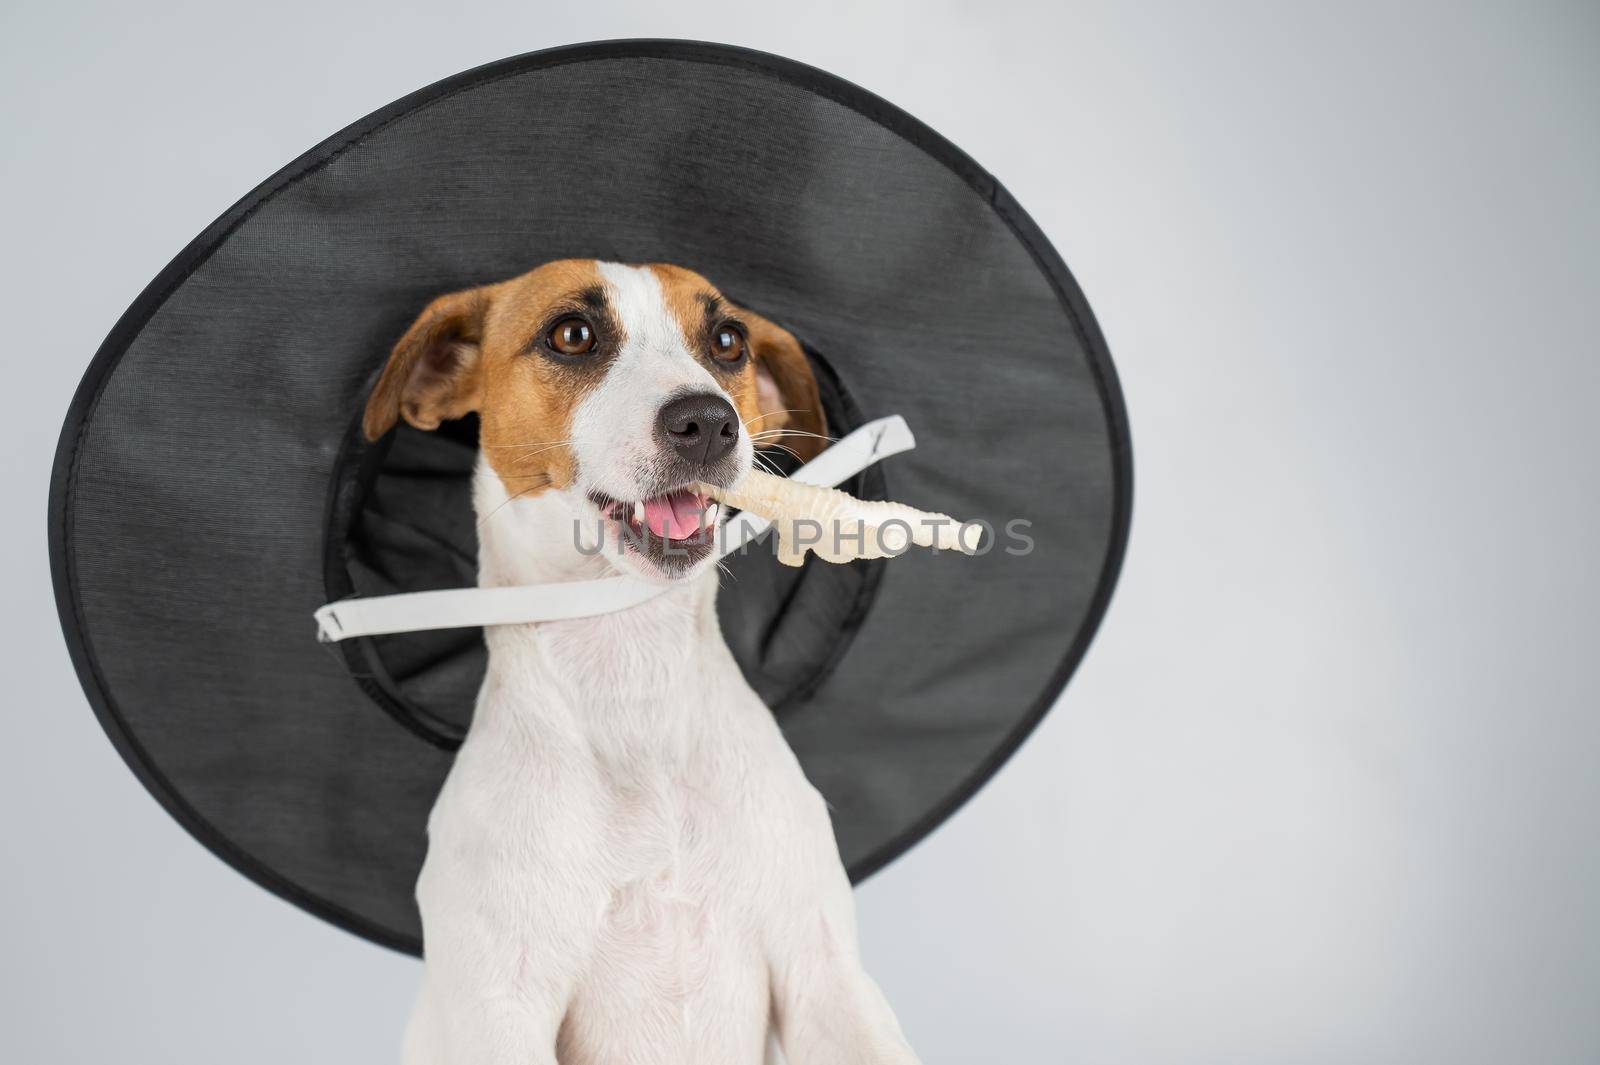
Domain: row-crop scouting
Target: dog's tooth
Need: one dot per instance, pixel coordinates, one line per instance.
(638, 512)
(709, 517)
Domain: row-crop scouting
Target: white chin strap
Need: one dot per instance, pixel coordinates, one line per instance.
(458, 608)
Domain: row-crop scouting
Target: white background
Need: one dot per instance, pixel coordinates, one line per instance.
(1325, 789)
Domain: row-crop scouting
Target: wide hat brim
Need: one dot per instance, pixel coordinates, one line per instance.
(209, 492)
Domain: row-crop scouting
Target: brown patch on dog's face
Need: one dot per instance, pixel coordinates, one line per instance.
(506, 351)
(770, 382)
(537, 368)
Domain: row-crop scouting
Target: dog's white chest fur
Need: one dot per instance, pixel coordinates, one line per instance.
(627, 865)
(619, 778)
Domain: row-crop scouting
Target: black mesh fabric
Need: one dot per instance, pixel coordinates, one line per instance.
(207, 458)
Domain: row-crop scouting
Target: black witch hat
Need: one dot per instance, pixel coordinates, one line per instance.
(212, 488)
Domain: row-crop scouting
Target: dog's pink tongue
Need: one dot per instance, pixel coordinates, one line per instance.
(675, 516)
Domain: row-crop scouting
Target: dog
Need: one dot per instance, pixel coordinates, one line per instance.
(626, 864)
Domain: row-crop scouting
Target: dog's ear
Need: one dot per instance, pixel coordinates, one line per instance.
(432, 374)
(786, 390)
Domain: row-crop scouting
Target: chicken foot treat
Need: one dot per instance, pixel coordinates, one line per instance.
(839, 527)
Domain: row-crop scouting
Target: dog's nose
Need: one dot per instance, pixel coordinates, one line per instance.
(702, 427)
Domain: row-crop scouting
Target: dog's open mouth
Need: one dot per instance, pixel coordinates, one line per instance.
(673, 530)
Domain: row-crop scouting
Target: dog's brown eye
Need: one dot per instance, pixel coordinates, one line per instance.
(572, 336)
(727, 343)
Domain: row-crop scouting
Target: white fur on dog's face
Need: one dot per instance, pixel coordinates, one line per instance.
(613, 426)
(613, 437)
(583, 423)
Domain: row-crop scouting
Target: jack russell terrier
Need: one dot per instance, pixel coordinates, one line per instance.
(626, 865)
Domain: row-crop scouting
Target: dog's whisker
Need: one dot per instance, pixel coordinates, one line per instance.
(785, 447)
(544, 444)
(768, 433)
(773, 414)
(511, 499)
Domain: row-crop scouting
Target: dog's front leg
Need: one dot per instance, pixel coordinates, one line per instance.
(828, 1011)
(495, 1006)
(503, 956)
(450, 1030)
